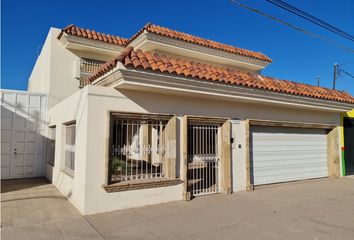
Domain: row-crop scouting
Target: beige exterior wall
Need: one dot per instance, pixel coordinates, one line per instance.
(56, 68)
(73, 108)
(54, 71)
(90, 108)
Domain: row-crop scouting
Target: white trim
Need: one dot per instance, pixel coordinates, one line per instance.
(183, 46)
(121, 77)
(70, 42)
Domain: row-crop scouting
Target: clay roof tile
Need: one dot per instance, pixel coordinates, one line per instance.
(207, 72)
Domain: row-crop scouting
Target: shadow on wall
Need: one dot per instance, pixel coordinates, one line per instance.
(23, 139)
(174, 104)
(215, 106)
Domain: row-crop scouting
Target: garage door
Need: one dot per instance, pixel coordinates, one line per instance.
(287, 154)
(22, 134)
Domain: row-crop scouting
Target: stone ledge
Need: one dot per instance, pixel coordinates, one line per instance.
(132, 185)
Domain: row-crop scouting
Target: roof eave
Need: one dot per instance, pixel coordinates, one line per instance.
(122, 77)
(149, 41)
(80, 43)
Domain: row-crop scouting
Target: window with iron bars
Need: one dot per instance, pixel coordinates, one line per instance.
(137, 150)
(87, 68)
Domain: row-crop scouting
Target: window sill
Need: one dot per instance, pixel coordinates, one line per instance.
(137, 185)
(68, 173)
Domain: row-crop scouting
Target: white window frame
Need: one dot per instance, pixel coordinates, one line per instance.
(51, 145)
(69, 148)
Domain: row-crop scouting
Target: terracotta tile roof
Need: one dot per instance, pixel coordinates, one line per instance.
(185, 68)
(92, 34)
(200, 41)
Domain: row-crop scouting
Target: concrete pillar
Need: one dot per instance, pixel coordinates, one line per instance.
(184, 175)
(170, 148)
(249, 184)
(333, 153)
(225, 161)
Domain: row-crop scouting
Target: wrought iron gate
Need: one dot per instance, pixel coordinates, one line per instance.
(203, 168)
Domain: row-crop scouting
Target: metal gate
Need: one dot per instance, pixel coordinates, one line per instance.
(203, 162)
(22, 134)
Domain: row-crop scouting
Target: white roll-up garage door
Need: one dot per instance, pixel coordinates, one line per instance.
(287, 154)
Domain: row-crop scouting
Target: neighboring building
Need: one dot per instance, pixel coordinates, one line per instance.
(347, 143)
(166, 116)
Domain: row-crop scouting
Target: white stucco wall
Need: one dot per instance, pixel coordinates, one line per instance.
(72, 109)
(54, 70)
(90, 108)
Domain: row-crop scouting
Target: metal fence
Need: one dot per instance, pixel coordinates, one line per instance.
(138, 150)
(203, 159)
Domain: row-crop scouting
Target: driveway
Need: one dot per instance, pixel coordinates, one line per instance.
(320, 209)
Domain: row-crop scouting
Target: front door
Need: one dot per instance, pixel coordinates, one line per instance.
(349, 145)
(203, 160)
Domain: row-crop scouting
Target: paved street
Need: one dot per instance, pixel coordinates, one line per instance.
(320, 209)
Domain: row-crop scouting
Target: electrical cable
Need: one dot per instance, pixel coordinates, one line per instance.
(311, 18)
(293, 26)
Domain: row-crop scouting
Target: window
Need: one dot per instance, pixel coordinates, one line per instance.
(137, 150)
(70, 132)
(51, 146)
(87, 68)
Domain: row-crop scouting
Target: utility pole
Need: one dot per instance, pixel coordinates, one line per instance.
(335, 69)
(318, 81)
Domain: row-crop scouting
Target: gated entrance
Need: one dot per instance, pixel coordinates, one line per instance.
(22, 134)
(203, 160)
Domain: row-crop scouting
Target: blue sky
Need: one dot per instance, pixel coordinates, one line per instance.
(296, 56)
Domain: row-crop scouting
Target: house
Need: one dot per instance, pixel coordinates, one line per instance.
(347, 142)
(166, 116)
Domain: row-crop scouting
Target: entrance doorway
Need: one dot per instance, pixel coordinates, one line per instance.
(203, 159)
(349, 145)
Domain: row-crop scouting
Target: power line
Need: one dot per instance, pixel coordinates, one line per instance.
(311, 18)
(293, 26)
(342, 70)
(337, 70)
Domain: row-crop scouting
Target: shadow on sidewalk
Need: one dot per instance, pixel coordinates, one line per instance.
(23, 183)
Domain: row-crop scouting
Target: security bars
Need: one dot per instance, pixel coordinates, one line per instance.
(87, 68)
(203, 159)
(137, 149)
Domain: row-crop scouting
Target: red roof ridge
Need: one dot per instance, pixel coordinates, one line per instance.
(307, 84)
(74, 30)
(203, 71)
(167, 32)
